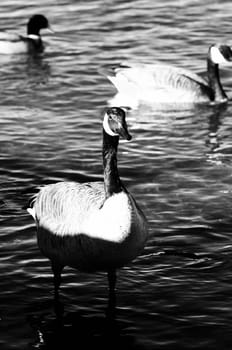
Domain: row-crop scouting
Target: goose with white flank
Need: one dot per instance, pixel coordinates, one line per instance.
(94, 226)
(160, 83)
(30, 43)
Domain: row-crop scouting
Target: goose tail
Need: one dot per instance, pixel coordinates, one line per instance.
(31, 211)
(112, 71)
(115, 74)
(29, 206)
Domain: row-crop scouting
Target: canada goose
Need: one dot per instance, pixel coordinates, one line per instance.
(157, 83)
(94, 226)
(32, 42)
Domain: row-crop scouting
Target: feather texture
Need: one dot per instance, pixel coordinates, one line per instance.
(160, 83)
(95, 225)
(70, 208)
(62, 207)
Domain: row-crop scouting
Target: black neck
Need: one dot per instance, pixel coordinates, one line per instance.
(214, 81)
(112, 180)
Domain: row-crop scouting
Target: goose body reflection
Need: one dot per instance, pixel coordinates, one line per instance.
(159, 83)
(94, 226)
(29, 43)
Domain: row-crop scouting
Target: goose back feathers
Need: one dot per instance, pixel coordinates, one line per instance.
(159, 83)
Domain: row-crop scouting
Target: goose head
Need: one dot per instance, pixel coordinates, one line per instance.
(220, 54)
(36, 23)
(114, 123)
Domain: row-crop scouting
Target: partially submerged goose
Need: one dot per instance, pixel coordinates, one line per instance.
(31, 42)
(158, 83)
(94, 226)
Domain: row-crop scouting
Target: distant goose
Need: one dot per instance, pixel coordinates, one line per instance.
(94, 226)
(157, 83)
(32, 42)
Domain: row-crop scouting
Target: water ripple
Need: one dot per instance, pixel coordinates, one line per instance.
(178, 167)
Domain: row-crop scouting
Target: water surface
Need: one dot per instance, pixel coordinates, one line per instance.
(178, 293)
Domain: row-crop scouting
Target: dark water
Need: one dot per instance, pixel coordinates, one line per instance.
(178, 294)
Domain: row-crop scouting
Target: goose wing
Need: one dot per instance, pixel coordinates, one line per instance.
(63, 207)
(153, 77)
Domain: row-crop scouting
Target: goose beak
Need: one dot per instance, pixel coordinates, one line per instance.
(228, 58)
(123, 132)
(227, 54)
(228, 61)
(50, 30)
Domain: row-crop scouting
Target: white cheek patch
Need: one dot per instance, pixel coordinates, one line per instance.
(107, 127)
(216, 55)
(33, 36)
